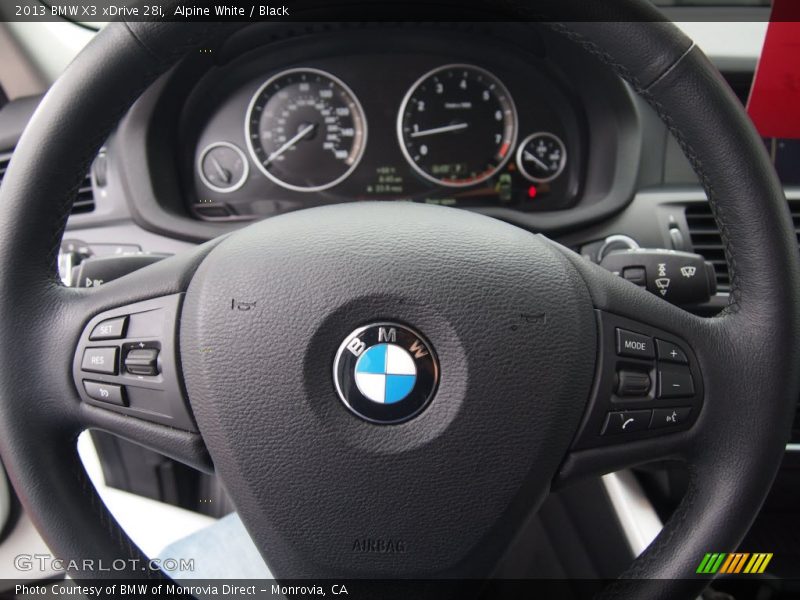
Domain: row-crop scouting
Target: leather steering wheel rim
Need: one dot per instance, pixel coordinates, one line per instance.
(751, 388)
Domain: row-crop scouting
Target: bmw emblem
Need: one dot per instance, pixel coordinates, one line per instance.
(385, 372)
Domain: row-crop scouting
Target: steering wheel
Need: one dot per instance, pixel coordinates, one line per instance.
(511, 338)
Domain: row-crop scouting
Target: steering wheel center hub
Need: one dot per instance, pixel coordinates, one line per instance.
(333, 418)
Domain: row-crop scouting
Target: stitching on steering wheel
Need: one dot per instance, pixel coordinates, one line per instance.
(716, 209)
(652, 555)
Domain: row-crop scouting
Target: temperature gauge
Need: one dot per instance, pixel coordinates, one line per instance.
(541, 157)
(223, 167)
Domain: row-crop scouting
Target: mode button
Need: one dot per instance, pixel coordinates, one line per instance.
(634, 344)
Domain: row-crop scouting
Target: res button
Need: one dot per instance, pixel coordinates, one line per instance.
(100, 360)
(634, 345)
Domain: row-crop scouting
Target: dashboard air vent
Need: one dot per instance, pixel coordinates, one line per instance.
(84, 202)
(707, 241)
(4, 160)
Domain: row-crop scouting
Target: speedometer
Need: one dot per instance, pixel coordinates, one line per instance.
(305, 130)
(457, 125)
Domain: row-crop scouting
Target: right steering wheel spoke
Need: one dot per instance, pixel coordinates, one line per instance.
(647, 401)
(648, 385)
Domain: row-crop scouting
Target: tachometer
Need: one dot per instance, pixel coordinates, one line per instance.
(457, 125)
(305, 130)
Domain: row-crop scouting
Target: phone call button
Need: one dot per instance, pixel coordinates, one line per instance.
(626, 421)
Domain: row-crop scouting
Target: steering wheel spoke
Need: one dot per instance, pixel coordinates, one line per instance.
(126, 363)
(649, 387)
(127, 375)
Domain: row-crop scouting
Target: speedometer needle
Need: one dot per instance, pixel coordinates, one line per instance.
(301, 134)
(443, 129)
(531, 157)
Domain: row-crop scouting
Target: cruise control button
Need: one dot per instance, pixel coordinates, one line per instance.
(100, 360)
(626, 421)
(633, 383)
(670, 417)
(111, 329)
(105, 392)
(669, 352)
(675, 382)
(142, 361)
(634, 344)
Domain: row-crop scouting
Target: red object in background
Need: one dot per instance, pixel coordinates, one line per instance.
(774, 103)
(532, 192)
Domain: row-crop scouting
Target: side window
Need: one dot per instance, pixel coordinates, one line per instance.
(5, 499)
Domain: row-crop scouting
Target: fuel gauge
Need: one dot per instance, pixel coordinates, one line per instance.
(541, 157)
(223, 167)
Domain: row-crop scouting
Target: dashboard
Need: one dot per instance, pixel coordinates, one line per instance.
(506, 119)
(383, 115)
(420, 127)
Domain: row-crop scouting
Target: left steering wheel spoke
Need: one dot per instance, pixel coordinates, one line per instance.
(126, 366)
(126, 361)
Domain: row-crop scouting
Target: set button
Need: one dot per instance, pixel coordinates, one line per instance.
(110, 329)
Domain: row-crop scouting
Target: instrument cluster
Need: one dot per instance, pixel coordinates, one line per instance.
(424, 127)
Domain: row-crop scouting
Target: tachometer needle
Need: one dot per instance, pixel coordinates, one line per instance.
(443, 129)
(528, 156)
(301, 134)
